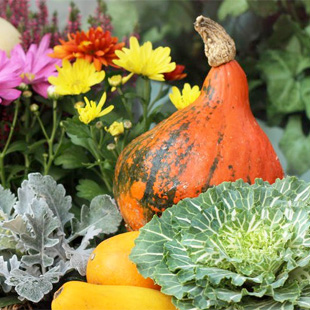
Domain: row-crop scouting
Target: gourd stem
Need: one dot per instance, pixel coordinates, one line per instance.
(219, 46)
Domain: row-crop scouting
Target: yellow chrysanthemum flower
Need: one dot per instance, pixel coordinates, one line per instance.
(92, 110)
(188, 96)
(144, 60)
(77, 78)
(117, 128)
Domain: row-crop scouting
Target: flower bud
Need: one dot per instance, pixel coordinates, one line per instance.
(115, 80)
(127, 124)
(79, 104)
(23, 86)
(111, 146)
(99, 125)
(34, 107)
(27, 93)
(51, 92)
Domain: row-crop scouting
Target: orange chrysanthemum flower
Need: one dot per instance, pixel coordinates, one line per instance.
(95, 46)
(176, 74)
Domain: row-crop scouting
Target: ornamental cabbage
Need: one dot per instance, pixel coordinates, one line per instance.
(235, 247)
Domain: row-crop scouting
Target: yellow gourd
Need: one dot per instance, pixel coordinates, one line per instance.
(109, 263)
(75, 295)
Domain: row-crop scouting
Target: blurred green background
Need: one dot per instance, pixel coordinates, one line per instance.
(273, 47)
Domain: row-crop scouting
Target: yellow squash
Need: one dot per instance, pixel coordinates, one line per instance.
(75, 295)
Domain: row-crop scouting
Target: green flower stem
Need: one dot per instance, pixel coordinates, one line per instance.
(101, 136)
(125, 104)
(146, 101)
(96, 154)
(123, 143)
(8, 141)
(50, 140)
(27, 137)
(60, 141)
(41, 125)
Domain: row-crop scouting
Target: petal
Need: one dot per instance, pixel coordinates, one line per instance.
(106, 110)
(41, 88)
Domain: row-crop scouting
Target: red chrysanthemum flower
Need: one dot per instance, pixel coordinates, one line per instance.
(176, 74)
(95, 46)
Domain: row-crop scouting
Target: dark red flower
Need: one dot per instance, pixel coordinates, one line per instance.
(176, 74)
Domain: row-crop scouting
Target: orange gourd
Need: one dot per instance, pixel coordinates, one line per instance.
(214, 139)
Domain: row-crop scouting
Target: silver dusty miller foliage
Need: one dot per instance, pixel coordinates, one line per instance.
(36, 234)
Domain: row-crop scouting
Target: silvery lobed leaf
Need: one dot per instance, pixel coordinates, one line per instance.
(38, 236)
(45, 187)
(17, 225)
(5, 268)
(25, 196)
(7, 240)
(102, 214)
(79, 256)
(7, 201)
(32, 287)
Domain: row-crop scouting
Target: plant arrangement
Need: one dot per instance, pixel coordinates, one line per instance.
(216, 224)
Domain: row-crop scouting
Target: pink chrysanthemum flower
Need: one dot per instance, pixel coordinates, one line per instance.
(9, 79)
(35, 65)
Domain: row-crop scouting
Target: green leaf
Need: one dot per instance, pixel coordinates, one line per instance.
(154, 235)
(78, 132)
(9, 300)
(125, 17)
(288, 293)
(269, 304)
(283, 29)
(296, 147)
(17, 146)
(75, 127)
(14, 170)
(88, 189)
(102, 214)
(268, 8)
(306, 3)
(233, 8)
(305, 94)
(72, 158)
(281, 70)
(156, 34)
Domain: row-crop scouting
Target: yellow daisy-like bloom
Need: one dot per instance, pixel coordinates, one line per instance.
(116, 129)
(188, 96)
(92, 110)
(77, 78)
(144, 60)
